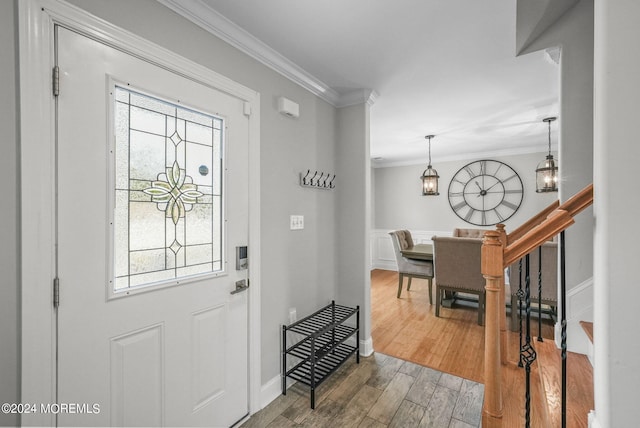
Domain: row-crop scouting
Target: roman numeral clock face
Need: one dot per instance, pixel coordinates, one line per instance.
(485, 192)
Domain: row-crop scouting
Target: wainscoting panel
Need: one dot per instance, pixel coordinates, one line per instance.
(382, 256)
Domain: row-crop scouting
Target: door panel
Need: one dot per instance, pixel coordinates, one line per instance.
(207, 329)
(174, 354)
(137, 370)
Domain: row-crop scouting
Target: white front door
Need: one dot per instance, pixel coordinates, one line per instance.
(152, 201)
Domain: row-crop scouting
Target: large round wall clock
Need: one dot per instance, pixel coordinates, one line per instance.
(485, 192)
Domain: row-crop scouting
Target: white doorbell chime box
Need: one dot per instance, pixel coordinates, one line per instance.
(288, 107)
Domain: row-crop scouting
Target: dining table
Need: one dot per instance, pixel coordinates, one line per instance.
(425, 252)
(419, 252)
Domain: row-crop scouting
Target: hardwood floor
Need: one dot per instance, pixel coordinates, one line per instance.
(407, 328)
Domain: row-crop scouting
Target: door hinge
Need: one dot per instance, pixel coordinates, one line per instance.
(56, 81)
(247, 108)
(56, 292)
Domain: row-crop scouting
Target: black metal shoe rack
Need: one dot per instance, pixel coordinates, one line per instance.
(322, 348)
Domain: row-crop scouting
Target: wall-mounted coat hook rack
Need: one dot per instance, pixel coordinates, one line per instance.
(322, 181)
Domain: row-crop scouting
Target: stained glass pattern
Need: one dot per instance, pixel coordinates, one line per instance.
(168, 191)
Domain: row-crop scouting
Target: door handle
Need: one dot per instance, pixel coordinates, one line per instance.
(240, 286)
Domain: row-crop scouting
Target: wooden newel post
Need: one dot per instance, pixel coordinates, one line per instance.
(493, 272)
(504, 335)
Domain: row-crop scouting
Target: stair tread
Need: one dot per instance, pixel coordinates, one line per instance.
(579, 383)
(587, 326)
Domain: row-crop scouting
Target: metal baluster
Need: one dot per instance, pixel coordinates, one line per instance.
(563, 308)
(520, 301)
(540, 293)
(527, 352)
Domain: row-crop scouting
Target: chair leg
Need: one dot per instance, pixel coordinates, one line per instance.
(430, 297)
(400, 278)
(438, 296)
(480, 308)
(409, 285)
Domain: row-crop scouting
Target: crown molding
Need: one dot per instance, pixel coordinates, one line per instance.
(534, 18)
(357, 96)
(462, 156)
(207, 18)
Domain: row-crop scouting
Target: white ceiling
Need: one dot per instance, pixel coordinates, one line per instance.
(443, 67)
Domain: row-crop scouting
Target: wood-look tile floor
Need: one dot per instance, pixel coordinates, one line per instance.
(381, 391)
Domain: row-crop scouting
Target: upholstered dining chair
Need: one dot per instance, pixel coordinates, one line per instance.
(410, 268)
(458, 269)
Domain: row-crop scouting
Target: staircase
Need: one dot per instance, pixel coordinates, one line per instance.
(546, 387)
(579, 385)
(545, 368)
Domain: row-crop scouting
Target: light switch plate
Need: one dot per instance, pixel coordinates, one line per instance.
(296, 222)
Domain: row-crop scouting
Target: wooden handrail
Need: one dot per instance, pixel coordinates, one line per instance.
(498, 252)
(532, 222)
(556, 221)
(578, 202)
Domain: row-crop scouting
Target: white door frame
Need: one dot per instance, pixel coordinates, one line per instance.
(38, 168)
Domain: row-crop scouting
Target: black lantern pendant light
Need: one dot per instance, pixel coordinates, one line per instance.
(430, 176)
(547, 171)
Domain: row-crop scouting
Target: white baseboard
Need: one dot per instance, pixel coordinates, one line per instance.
(592, 421)
(384, 265)
(366, 347)
(579, 308)
(270, 391)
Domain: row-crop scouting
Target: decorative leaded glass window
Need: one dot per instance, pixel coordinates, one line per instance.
(168, 191)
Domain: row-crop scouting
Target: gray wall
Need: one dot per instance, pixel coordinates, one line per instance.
(353, 265)
(9, 227)
(573, 32)
(399, 203)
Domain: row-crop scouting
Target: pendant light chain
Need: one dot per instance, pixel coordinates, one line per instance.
(549, 123)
